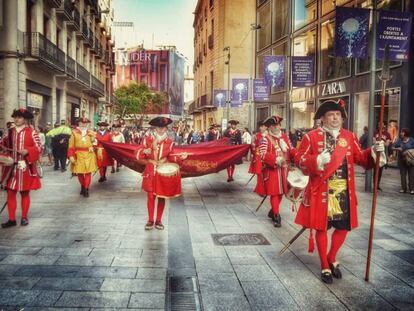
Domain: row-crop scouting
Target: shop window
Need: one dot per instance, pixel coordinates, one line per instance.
(264, 33)
(262, 113)
(302, 114)
(305, 11)
(329, 5)
(305, 43)
(331, 67)
(361, 113)
(280, 19)
(260, 63)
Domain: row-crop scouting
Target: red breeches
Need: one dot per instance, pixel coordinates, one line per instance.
(12, 203)
(151, 207)
(230, 171)
(85, 180)
(275, 203)
(338, 238)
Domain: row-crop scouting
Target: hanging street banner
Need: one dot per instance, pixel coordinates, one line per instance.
(303, 71)
(351, 32)
(260, 91)
(220, 97)
(394, 29)
(240, 92)
(274, 70)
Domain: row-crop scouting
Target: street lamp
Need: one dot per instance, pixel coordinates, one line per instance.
(227, 62)
(253, 28)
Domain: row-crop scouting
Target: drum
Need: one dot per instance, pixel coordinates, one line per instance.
(6, 160)
(297, 183)
(167, 180)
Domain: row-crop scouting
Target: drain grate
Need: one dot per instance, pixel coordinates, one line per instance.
(238, 239)
(183, 294)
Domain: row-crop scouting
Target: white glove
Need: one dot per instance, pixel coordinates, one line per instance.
(379, 146)
(280, 161)
(323, 159)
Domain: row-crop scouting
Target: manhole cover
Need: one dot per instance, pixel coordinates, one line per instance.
(236, 239)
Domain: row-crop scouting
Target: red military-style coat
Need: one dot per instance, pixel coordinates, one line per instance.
(23, 176)
(160, 152)
(102, 157)
(256, 162)
(273, 180)
(313, 212)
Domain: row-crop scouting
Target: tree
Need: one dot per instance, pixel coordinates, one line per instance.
(138, 100)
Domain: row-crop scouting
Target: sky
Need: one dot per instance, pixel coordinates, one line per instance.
(156, 22)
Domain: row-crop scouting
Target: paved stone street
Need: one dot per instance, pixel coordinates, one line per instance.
(87, 254)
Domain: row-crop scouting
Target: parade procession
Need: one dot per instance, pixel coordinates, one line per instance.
(247, 155)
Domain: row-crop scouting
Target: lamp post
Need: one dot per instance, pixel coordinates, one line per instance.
(253, 28)
(227, 62)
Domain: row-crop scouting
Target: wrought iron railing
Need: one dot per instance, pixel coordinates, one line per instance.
(71, 66)
(97, 85)
(83, 75)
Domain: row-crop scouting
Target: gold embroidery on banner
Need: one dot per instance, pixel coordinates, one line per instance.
(200, 165)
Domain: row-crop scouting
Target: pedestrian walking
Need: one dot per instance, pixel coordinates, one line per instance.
(60, 141)
(235, 137)
(386, 138)
(363, 140)
(161, 178)
(117, 137)
(405, 148)
(103, 160)
(328, 154)
(23, 144)
(81, 154)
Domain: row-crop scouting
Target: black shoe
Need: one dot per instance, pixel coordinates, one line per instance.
(8, 224)
(56, 169)
(24, 222)
(117, 169)
(102, 179)
(159, 225)
(379, 189)
(326, 277)
(82, 192)
(336, 272)
(271, 215)
(230, 179)
(112, 171)
(278, 221)
(86, 193)
(63, 170)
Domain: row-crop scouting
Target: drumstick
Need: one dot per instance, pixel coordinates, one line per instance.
(179, 154)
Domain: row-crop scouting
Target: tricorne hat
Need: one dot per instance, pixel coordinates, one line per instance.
(83, 120)
(160, 122)
(331, 105)
(23, 113)
(102, 123)
(233, 122)
(273, 120)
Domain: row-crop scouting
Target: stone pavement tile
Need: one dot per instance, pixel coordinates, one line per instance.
(269, 294)
(93, 299)
(47, 271)
(29, 260)
(117, 252)
(152, 273)
(82, 284)
(254, 273)
(46, 242)
(153, 262)
(213, 301)
(392, 245)
(70, 251)
(8, 270)
(107, 272)
(134, 285)
(225, 283)
(54, 309)
(248, 260)
(204, 250)
(126, 262)
(407, 255)
(12, 297)
(147, 300)
(46, 298)
(9, 250)
(100, 261)
(18, 282)
(213, 265)
(95, 244)
(154, 253)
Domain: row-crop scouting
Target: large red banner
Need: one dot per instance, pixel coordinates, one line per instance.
(203, 159)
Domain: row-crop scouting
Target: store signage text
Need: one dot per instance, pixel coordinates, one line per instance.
(333, 88)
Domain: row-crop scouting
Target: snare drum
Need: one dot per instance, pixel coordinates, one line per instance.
(6, 160)
(297, 183)
(167, 180)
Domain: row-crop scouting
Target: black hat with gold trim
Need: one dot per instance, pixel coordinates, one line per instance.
(160, 122)
(331, 105)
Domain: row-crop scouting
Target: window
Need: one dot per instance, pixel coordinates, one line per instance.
(329, 5)
(280, 50)
(211, 84)
(263, 19)
(279, 19)
(304, 12)
(302, 114)
(331, 67)
(305, 43)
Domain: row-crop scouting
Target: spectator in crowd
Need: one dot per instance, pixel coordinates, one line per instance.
(386, 138)
(60, 142)
(48, 143)
(405, 147)
(363, 140)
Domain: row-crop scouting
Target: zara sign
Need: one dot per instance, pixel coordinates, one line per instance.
(333, 88)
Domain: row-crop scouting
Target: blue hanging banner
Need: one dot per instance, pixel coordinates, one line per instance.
(351, 32)
(220, 97)
(394, 29)
(260, 91)
(274, 70)
(240, 92)
(303, 71)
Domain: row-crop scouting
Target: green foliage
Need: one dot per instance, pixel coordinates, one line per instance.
(138, 99)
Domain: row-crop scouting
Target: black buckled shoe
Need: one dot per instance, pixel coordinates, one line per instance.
(102, 179)
(336, 272)
(149, 225)
(82, 192)
(112, 171)
(24, 222)
(8, 224)
(159, 225)
(86, 193)
(278, 221)
(326, 277)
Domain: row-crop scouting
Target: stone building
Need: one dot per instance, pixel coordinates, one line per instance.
(219, 24)
(56, 59)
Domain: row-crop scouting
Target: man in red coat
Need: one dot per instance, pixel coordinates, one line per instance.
(328, 154)
(156, 152)
(235, 139)
(256, 162)
(276, 152)
(24, 146)
(102, 157)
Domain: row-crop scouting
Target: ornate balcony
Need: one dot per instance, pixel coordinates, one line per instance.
(74, 23)
(54, 3)
(97, 86)
(85, 31)
(83, 75)
(70, 67)
(65, 10)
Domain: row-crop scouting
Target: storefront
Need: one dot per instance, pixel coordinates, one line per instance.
(38, 101)
(73, 108)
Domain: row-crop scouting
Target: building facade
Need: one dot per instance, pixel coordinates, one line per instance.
(56, 59)
(307, 28)
(220, 24)
(161, 70)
